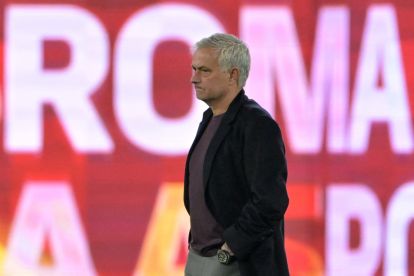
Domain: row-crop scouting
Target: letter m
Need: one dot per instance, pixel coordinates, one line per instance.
(277, 65)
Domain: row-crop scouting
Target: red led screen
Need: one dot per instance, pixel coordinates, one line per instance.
(97, 114)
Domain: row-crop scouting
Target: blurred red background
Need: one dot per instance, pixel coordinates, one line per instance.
(115, 207)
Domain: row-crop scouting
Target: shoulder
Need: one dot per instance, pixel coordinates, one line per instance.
(258, 127)
(252, 113)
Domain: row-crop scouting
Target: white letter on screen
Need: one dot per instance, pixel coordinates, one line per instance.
(134, 51)
(400, 215)
(381, 57)
(28, 86)
(47, 210)
(276, 59)
(346, 202)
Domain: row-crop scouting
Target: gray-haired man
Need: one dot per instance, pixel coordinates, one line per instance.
(235, 176)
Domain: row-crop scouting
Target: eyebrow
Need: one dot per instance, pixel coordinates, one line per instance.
(199, 67)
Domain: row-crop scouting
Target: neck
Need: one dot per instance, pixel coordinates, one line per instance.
(221, 106)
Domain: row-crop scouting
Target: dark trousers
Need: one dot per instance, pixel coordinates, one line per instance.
(198, 265)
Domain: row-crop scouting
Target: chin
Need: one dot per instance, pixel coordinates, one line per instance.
(201, 97)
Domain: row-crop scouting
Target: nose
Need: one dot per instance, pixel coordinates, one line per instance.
(195, 78)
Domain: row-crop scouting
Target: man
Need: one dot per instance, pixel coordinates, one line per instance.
(235, 176)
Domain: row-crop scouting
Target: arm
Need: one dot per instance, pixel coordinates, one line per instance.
(265, 171)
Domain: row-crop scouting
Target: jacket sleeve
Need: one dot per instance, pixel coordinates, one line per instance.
(266, 173)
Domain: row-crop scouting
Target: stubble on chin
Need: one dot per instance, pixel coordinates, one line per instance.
(200, 94)
(204, 99)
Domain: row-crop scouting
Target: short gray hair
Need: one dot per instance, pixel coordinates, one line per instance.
(232, 53)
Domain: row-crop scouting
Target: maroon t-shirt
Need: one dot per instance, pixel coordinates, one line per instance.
(206, 233)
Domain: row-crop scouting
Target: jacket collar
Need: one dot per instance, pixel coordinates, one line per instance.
(231, 112)
(221, 133)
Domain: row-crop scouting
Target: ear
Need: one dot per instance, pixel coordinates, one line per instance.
(234, 75)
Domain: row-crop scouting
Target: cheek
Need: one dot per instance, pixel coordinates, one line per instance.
(215, 80)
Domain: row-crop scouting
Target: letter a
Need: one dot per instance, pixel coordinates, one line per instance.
(47, 210)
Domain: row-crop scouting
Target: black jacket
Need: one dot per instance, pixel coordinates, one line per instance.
(245, 185)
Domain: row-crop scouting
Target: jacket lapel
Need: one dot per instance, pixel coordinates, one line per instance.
(221, 133)
(203, 124)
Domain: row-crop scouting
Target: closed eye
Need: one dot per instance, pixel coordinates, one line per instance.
(201, 68)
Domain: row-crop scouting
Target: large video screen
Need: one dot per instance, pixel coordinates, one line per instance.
(97, 114)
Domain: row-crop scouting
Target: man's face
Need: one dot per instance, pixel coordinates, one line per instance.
(210, 82)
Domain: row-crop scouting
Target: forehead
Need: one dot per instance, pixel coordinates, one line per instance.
(205, 57)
